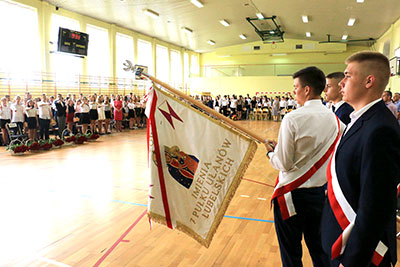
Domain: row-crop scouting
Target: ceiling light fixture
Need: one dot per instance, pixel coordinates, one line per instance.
(344, 37)
(260, 15)
(197, 3)
(211, 42)
(224, 22)
(308, 34)
(351, 22)
(244, 37)
(151, 13)
(305, 19)
(187, 30)
(360, 1)
(278, 54)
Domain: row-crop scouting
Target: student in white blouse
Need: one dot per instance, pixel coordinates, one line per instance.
(5, 117)
(283, 103)
(100, 111)
(233, 105)
(45, 114)
(291, 103)
(305, 137)
(85, 116)
(18, 112)
(31, 114)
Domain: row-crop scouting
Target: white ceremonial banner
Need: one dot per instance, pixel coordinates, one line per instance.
(195, 165)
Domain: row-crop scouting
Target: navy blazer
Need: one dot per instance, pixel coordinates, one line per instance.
(343, 113)
(61, 109)
(368, 171)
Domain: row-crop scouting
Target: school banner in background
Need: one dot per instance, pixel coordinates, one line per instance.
(195, 164)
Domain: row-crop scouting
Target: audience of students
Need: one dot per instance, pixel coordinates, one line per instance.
(77, 114)
(98, 112)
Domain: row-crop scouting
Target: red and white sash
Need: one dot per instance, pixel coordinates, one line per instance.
(345, 215)
(283, 194)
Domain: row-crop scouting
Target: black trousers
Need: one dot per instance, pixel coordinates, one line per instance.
(308, 203)
(44, 126)
(386, 262)
(225, 111)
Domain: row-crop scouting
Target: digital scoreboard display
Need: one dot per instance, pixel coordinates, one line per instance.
(72, 42)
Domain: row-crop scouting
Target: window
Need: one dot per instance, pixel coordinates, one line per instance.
(124, 47)
(397, 52)
(20, 38)
(176, 68)
(20, 52)
(186, 67)
(124, 51)
(145, 55)
(194, 65)
(162, 63)
(98, 60)
(66, 67)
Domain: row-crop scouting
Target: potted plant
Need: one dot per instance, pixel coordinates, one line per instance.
(17, 149)
(80, 139)
(70, 139)
(92, 136)
(33, 146)
(45, 144)
(57, 142)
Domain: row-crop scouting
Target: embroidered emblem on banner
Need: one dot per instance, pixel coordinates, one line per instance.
(181, 166)
(168, 113)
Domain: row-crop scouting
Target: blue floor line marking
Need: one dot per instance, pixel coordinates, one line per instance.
(249, 219)
(145, 205)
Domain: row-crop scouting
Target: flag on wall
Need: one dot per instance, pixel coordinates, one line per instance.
(195, 165)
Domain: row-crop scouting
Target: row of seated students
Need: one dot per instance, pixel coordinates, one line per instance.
(241, 107)
(247, 107)
(99, 112)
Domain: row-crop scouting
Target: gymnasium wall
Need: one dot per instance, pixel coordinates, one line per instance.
(392, 36)
(242, 85)
(48, 84)
(242, 70)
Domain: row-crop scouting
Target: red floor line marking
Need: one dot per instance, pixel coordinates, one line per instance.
(258, 182)
(121, 239)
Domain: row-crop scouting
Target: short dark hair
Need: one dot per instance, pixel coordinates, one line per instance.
(312, 77)
(335, 75)
(389, 93)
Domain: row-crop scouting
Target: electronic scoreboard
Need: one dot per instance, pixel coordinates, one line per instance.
(72, 42)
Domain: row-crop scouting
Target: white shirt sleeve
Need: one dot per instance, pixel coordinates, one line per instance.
(283, 156)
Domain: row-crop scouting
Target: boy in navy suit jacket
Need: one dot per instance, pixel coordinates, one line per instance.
(332, 93)
(359, 217)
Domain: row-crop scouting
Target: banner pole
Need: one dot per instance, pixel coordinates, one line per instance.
(228, 121)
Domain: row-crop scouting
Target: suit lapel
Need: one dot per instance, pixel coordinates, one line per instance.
(354, 129)
(359, 123)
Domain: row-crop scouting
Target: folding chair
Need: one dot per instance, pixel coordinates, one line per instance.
(251, 114)
(259, 114)
(265, 114)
